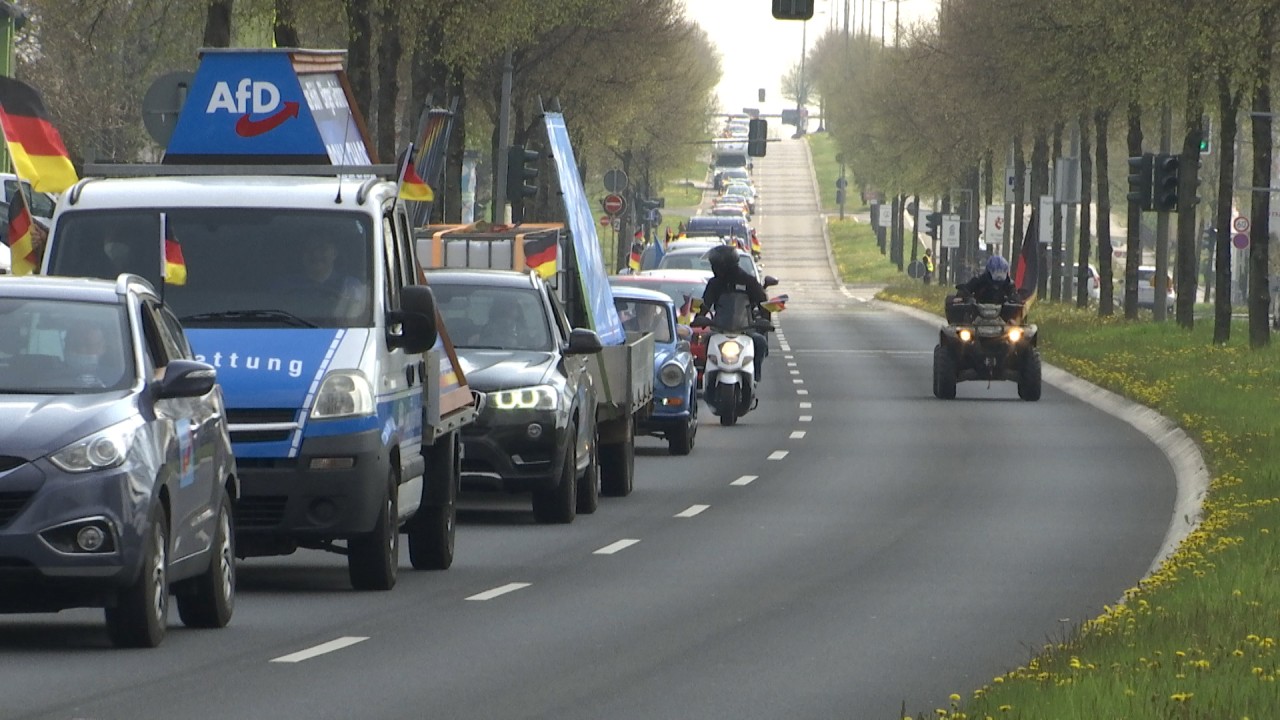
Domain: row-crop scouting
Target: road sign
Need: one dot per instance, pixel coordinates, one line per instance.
(993, 230)
(886, 216)
(605, 220)
(615, 181)
(614, 204)
(1240, 224)
(951, 231)
(654, 217)
(915, 269)
(841, 183)
(1240, 240)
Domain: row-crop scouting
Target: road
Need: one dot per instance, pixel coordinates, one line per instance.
(851, 548)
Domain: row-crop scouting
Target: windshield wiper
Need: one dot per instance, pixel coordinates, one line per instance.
(286, 318)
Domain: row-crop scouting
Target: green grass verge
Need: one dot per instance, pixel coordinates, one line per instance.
(1198, 638)
(823, 148)
(857, 254)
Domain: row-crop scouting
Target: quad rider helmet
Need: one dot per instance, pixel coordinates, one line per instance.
(998, 268)
(723, 259)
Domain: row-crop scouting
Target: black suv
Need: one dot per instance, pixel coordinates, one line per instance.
(535, 430)
(116, 473)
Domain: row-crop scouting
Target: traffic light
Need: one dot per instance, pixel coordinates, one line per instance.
(1140, 180)
(1164, 185)
(757, 137)
(761, 95)
(931, 223)
(522, 178)
(793, 9)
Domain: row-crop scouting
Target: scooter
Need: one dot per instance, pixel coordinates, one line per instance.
(730, 380)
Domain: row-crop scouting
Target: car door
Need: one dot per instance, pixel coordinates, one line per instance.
(177, 433)
(579, 377)
(402, 372)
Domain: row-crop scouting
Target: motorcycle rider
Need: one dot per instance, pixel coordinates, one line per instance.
(728, 276)
(992, 286)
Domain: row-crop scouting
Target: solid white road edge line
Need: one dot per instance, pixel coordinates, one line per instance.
(612, 548)
(320, 649)
(691, 511)
(501, 590)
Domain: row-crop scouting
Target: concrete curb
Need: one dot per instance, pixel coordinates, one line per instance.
(1191, 475)
(826, 230)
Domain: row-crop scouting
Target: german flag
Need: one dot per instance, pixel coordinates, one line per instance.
(776, 304)
(412, 186)
(174, 271)
(24, 261)
(38, 153)
(540, 253)
(636, 251)
(1026, 277)
(755, 243)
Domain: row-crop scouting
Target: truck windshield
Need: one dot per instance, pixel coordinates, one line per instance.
(244, 267)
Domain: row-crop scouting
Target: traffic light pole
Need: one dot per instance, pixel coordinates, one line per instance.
(1160, 283)
(504, 138)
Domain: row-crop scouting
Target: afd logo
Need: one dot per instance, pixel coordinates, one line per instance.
(252, 97)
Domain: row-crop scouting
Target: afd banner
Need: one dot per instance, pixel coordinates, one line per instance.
(577, 210)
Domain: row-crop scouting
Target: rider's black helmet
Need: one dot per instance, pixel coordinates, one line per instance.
(723, 259)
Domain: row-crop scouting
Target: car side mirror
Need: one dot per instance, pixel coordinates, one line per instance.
(417, 320)
(185, 379)
(583, 342)
(684, 332)
(770, 281)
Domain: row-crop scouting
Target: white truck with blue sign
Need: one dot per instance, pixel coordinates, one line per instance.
(292, 267)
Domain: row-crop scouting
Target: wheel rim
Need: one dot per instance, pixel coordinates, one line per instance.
(159, 586)
(226, 558)
(393, 534)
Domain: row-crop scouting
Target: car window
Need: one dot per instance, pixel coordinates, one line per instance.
(496, 318)
(63, 347)
(645, 316)
(685, 261)
(175, 341)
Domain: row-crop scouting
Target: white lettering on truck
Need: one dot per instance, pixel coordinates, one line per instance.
(253, 362)
(250, 96)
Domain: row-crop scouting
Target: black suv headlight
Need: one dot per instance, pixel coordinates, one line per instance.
(537, 397)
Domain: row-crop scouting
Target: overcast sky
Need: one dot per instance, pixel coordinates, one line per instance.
(756, 50)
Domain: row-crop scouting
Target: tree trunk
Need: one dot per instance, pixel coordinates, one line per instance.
(1040, 186)
(359, 52)
(1106, 276)
(1187, 262)
(1133, 250)
(1083, 278)
(389, 51)
(1229, 112)
(452, 181)
(284, 26)
(1055, 251)
(1019, 199)
(1259, 237)
(217, 24)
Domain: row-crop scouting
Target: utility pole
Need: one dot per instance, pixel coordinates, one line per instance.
(504, 141)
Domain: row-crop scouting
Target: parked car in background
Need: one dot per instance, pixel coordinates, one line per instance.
(1147, 288)
(675, 379)
(117, 478)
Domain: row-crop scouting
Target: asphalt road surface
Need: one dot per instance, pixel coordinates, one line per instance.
(852, 548)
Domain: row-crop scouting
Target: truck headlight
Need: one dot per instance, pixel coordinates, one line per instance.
(344, 393)
(99, 451)
(538, 397)
(729, 351)
(671, 375)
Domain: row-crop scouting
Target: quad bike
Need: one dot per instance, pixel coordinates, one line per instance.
(986, 342)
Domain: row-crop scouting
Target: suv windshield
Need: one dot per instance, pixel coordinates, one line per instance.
(62, 347)
(493, 318)
(245, 267)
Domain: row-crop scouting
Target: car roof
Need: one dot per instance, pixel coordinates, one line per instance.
(674, 274)
(635, 293)
(47, 287)
(476, 276)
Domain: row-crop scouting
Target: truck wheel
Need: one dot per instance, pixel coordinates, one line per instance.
(618, 465)
(207, 600)
(1029, 378)
(432, 530)
(944, 374)
(589, 483)
(374, 557)
(559, 504)
(680, 440)
(727, 403)
(140, 616)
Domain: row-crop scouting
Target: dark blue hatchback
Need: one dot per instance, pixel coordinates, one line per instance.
(116, 473)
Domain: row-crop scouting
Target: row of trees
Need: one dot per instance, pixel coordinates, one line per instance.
(634, 79)
(997, 77)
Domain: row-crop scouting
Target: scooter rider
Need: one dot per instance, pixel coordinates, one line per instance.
(993, 285)
(728, 276)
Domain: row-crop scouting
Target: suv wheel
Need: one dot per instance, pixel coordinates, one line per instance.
(589, 483)
(433, 529)
(208, 600)
(559, 504)
(140, 616)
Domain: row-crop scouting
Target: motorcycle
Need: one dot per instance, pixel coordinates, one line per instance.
(729, 380)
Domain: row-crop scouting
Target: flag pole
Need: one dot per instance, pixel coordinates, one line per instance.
(164, 265)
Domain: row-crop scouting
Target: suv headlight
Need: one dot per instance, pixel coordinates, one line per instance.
(671, 375)
(344, 393)
(102, 450)
(538, 397)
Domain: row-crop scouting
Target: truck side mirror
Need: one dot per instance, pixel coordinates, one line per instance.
(417, 320)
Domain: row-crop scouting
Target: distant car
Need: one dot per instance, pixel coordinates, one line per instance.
(536, 427)
(117, 481)
(1147, 288)
(726, 175)
(675, 386)
(696, 259)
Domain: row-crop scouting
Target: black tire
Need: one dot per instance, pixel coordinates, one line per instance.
(727, 403)
(1029, 379)
(944, 374)
(207, 601)
(589, 483)
(432, 531)
(140, 615)
(618, 466)
(680, 441)
(559, 505)
(373, 559)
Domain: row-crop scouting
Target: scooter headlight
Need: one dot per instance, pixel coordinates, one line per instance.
(730, 350)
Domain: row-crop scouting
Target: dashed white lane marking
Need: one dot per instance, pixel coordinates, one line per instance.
(744, 480)
(789, 357)
(501, 590)
(691, 511)
(777, 454)
(806, 418)
(320, 649)
(797, 435)
(795, 372)
(612, 548)
(802, 391)
(806, 405)
(791, 364)
(798, 381)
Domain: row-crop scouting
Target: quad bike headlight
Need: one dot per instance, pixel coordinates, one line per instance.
(1015, 334)
(965, 335)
